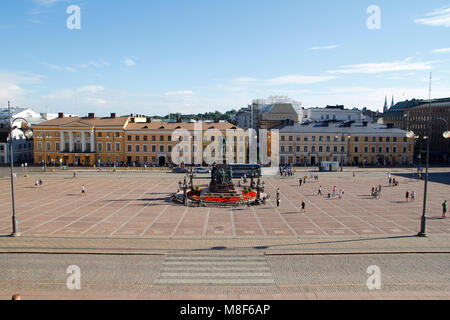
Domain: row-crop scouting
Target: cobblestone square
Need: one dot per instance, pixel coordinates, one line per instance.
(136, 206)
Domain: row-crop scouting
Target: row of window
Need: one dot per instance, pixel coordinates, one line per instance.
(342, 138)
(144, 148)
(313, 149)
(342, 149)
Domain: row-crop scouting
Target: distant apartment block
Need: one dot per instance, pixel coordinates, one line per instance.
(413, 115)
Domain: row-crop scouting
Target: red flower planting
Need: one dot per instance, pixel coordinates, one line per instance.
(195, 194)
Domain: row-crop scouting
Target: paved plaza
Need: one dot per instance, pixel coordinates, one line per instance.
(135, 205)
(132, 243)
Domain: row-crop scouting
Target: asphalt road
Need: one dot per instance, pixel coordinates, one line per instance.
(116, 276)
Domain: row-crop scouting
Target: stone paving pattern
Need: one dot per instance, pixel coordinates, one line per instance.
(212, 277)
(136, 207)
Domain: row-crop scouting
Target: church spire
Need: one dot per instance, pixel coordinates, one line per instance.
(385, 108)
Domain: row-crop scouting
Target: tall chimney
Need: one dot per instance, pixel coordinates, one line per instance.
(91, 115)
(61, 115)
(113, 115)
(132, 120)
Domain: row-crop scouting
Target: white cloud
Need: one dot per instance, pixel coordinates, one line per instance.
(373, 98)
(180, 92)
(91, 89)
(350, 89)
(323, 47)
(95, 101)
(97, 64)
(47, 3)
(13, 86)
(443, 50)
(60, 68)
(440, 17)
(371, 68)
(129, 62)
(35, 21)
(285, 80)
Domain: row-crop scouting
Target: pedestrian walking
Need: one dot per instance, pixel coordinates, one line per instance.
(303, 206)
(407, 196)
(341, 194)
(83, 189)
(413, 196)
(444, 209)
(36, 184)
(278, 192)
(74, 174)
(320, 191)
(334, 191)
(40, 182)
(300, 181)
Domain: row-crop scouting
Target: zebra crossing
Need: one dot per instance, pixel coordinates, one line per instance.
(215, 270)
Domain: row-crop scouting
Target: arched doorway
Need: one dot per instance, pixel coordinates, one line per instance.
(162, 161)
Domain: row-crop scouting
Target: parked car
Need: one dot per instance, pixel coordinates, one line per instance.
(179, 170)
(201, 170)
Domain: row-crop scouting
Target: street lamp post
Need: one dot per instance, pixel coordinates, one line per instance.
(410, 134)
(185, 192)
(28, 135)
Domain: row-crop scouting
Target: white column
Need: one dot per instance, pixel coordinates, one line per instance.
(92, 142)
(83, 141)
(62, 141)
(70, 141)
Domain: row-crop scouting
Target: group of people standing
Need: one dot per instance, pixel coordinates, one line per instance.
(333, 192)
(411, 195)
(286, 172)
(303, 204)
(376, 191)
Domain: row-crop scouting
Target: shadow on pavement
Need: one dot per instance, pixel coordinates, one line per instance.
(439, 177)
(309, 243)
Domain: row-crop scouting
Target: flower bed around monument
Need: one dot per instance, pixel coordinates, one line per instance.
(221, 198)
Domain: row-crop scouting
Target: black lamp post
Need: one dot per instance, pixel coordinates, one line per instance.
(184, 191)
(28, 135)
(410, 134)
(258, 189)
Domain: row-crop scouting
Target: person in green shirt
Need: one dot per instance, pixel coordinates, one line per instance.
(444, 208)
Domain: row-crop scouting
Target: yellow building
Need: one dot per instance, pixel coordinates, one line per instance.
(356, 144)
(91, 140)
(153, 143)
(80, 140)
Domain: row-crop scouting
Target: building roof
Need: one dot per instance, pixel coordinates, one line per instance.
(339, 128)
(170, 126)
(399, 106)
(92, 122)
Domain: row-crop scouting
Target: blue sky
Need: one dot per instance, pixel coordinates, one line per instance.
(152, 57)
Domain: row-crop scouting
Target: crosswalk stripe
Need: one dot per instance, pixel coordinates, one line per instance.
(215, 274)
(216, 281)
(183, 258)
(215, 270)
